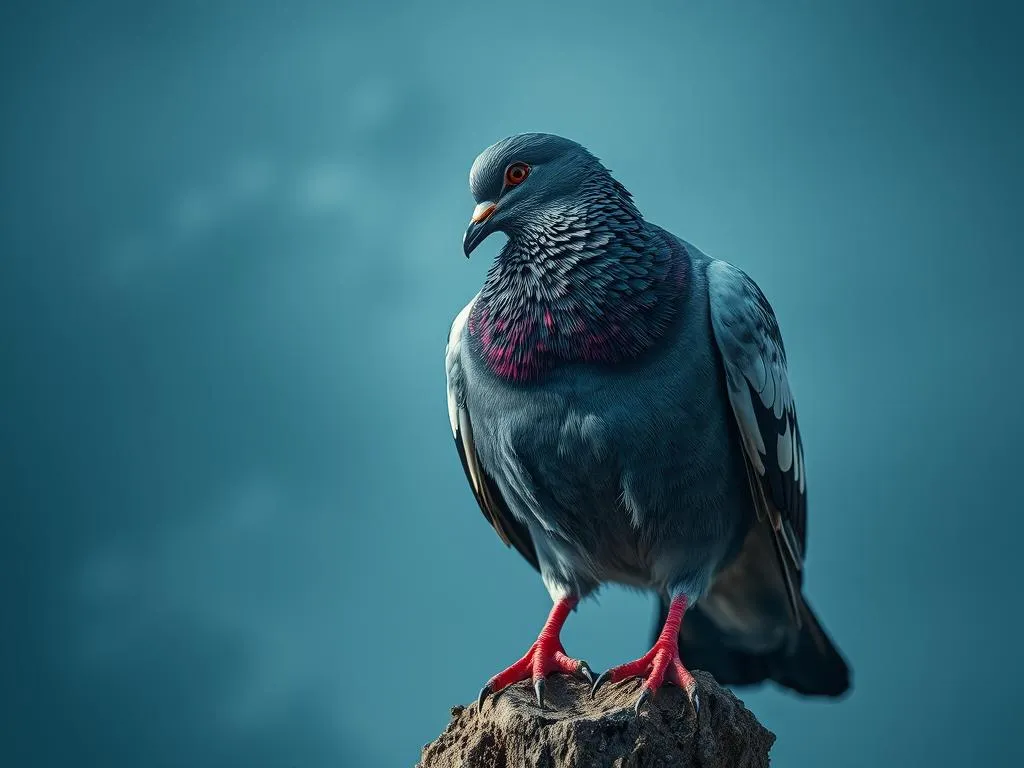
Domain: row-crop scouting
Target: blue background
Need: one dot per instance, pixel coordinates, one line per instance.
(235, 529)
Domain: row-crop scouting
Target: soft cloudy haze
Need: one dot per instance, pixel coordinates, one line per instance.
(235, 529)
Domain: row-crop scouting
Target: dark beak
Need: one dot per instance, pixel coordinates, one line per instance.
(478, 227)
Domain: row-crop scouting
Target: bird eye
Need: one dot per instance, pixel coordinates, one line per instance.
(516, 174)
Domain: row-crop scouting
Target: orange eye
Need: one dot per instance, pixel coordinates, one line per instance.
(516, 174)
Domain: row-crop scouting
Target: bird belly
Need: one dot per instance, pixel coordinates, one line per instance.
(637, 516)
(607, 498)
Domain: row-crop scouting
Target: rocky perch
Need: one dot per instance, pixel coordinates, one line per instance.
(575, 731)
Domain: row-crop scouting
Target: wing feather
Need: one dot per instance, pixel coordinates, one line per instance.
(754, 357)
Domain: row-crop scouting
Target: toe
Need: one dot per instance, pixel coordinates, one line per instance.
(521, 670)
(558, 661)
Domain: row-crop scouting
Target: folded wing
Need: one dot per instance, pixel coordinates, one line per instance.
(486, 491)
(748, 336)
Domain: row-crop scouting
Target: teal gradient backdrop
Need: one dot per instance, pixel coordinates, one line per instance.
(236, 531)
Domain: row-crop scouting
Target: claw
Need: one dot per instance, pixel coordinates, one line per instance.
(538, 686)
(483, 695)
(603, 678)
(644, 696)
(661, 664)
(586, 672)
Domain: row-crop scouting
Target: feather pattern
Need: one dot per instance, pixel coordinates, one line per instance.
(749, 339)
(587, 281)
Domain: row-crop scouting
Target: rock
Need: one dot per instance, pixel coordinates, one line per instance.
(575, 731)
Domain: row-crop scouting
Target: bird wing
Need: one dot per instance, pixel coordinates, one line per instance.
(485, 489)
(748, 337)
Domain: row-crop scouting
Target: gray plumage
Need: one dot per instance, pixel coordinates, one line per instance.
(622, 408)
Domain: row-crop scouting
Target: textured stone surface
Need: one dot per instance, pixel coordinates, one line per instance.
(575, 731)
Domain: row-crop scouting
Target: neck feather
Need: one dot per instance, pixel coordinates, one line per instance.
(594, 284)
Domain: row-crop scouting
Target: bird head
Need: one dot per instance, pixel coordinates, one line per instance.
(525, 182)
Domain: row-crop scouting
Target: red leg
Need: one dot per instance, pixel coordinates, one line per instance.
(661, 663)
(545, 656)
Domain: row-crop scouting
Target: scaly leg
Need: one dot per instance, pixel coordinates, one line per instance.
(545, 656)
(659, 664)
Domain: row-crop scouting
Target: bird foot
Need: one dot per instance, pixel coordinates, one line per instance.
(660, 664)
(543, 658)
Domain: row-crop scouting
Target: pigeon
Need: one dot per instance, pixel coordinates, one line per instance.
(621, 406)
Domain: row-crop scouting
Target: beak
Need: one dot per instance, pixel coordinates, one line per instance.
(478, 229)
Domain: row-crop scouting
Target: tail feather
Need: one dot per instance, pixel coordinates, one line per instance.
(810, 664)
